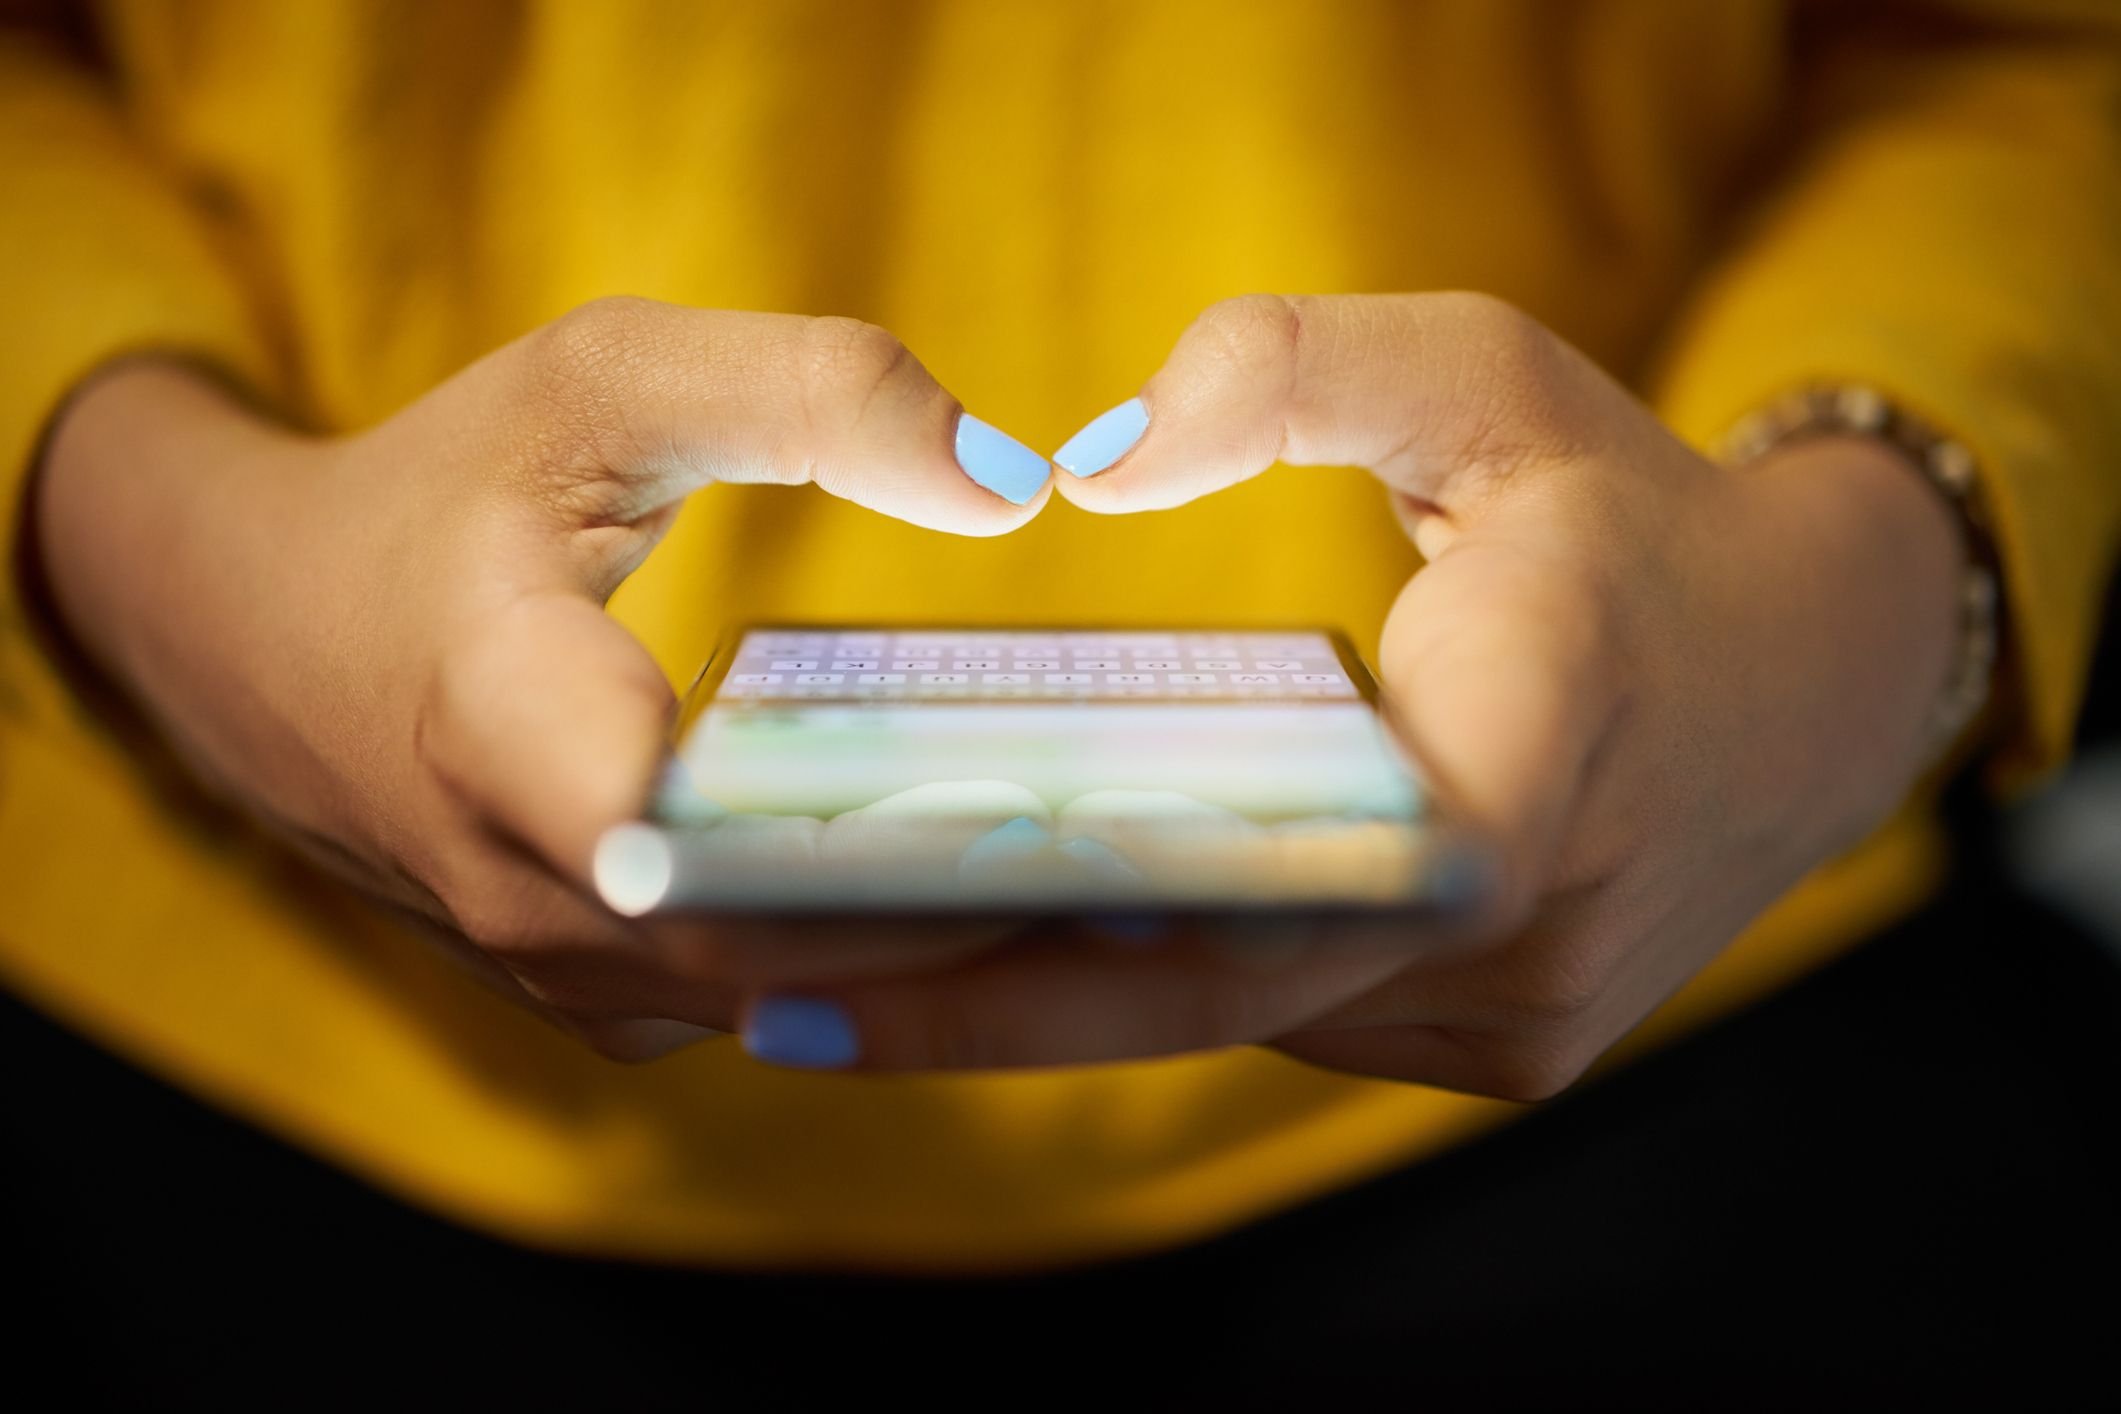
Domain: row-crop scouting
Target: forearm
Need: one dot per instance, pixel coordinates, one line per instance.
(171, 540)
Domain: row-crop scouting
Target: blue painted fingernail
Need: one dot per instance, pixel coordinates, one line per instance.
(803, 1032)
(1109, 436)
(999, 462)
(1006, 842)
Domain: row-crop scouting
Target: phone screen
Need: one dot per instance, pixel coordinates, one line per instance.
(820, 767)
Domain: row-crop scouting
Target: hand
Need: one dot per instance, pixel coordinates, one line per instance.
(1662, 690)
(391, 645)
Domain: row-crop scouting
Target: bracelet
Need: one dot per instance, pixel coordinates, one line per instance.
(1847, 408)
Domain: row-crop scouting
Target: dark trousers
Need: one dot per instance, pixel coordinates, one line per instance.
(1895, 1184)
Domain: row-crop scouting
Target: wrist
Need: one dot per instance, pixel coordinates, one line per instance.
(1948, 468)
(140, 463)
(1889, 557)
(1895, 517)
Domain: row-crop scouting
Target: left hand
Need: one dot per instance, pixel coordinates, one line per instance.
(1663, 691)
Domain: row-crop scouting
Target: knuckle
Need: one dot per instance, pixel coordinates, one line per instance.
(1509, 342)
(1489, 321)
(1515, 381)
(584, 345)
(848, 363)
(1249, 330)
(582, 369)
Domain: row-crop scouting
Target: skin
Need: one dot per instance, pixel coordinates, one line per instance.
(1662, 690)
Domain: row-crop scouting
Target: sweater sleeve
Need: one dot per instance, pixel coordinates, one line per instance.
(101, 256)
(1946, 227)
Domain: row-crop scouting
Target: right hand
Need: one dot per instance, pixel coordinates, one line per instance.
(391, 646)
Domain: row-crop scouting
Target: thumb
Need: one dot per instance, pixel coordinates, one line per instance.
(549, 719)
(1430, 391)
(1501, 672)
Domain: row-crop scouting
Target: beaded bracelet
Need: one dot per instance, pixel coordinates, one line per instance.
(1852, 409)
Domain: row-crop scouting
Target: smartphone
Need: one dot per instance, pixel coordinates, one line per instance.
(847, 769)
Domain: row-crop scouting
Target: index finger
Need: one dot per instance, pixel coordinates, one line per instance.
(1422, 389)
(659, 400)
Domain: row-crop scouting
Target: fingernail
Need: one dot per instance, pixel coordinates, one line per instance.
(1006, 842)
(999, 462)
(1108, 437)
(633, 868)
(803, 1032)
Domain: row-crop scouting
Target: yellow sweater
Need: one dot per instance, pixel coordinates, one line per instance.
(343, 200)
